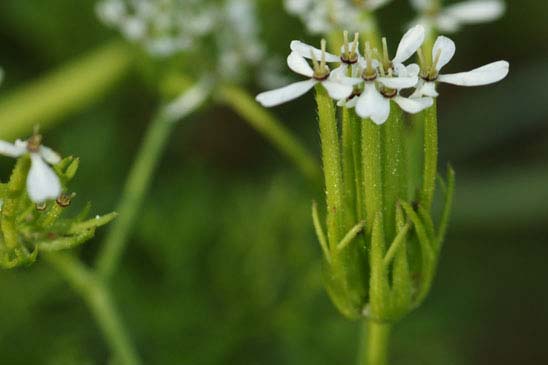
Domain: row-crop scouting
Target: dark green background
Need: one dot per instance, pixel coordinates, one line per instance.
(223, 267)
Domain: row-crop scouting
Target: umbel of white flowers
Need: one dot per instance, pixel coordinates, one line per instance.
(368, 83)
(42, 182)
(324, 16)
(451, 18)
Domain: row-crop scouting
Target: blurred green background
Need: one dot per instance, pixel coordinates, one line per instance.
(224, 268)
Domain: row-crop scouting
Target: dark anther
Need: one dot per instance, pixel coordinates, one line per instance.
(41, 206)
(64, 200)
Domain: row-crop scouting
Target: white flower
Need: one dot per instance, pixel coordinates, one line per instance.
(384, 80)
(42, 182)
(337, 86)
(442, 52)
(451, 18)
(374, 102)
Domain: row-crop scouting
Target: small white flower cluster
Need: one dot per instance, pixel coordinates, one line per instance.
(164, 27)
(451, 18)
(168, 27)
(42, 182)
(368, 83)
(324, 16)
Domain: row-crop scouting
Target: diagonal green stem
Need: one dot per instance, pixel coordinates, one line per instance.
(271, 128)
(64, 91)
(98, 299)
(141, 173)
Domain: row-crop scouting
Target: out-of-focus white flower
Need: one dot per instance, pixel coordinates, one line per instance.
(442, 52)
(324, 16)
(227, 29)
(164, 27)
(42, 182)
(337, 86)
(451, 18)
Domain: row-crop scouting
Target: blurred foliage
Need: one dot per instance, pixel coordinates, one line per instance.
(230, 275)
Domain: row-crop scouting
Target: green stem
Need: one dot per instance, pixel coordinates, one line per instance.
(98, 299)
(140, 176)
(377, 339)
(394, 176)
(70, 88)
(372, 171)
(271, 128)
(332, 167)
(349, 168)
(430, 169)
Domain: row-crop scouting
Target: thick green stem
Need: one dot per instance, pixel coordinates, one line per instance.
(332, 167)
(430, 168)
(372, 171)
(377, 339)
(140, 176)
(70, 88)
(98, 299)
(271, 128)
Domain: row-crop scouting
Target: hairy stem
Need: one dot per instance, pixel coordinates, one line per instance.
(140, 176)
(430, 168)
(332, 167)
(270, 128)
(70, 88)
(377, 339)
(372, 171)
(99, 301)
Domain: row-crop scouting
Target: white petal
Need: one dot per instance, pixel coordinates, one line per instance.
(286, 93)
(305, 50)
(298, 64)
(413, 69)
(338, 75)
(371, 104)
(446, 48)
(42, 182)
(476, 11)
(420, 5)
(447, 24)
(413, 105)
(375, 4)
(337, 90)
(12, 150)
(484, 75)
(49, 155)
(410, 42)
(429, 89)
(399, 82)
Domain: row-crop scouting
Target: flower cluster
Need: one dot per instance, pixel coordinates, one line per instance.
(168, 27)
(451, 18)
(368, 83)
(33, 202)
(324, 16)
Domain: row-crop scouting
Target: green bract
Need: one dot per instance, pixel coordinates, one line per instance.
(27, 228)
